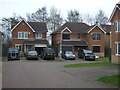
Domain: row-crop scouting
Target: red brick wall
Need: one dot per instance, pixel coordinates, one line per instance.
(115, 36)
(92, 42)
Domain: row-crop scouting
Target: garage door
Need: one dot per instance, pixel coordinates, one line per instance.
(66, 49)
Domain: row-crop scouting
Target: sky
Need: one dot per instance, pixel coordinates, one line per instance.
(21, 7)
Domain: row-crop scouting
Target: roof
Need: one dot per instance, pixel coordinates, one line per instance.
(106, 28)
(36, 41)
(38, 26)
(35, 26)
(94, 26)
(117, 6)
(75, 43)
(74, 27)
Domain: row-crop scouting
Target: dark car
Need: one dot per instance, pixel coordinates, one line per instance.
(48, 53)
(86, 54)
(69, 55)
(13, 54)
(32, 55)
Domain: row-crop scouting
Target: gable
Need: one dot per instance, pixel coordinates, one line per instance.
(116, 9)
(22, 23)
(96, 26)
(66, 30)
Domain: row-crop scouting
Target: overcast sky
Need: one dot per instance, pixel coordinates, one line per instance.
(21, 7)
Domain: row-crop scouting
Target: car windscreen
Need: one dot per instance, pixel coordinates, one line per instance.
(68, 52)
(32, 52)
(87, 51)
(49, 51)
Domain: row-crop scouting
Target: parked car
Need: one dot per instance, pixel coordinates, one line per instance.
(48, 53)
(32, 55)
(69, 55)
(13, 54)
(86, 54)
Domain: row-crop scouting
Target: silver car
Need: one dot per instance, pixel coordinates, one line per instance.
(32, 55)
(69, 55)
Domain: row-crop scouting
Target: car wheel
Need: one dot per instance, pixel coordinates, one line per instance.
(53, 58)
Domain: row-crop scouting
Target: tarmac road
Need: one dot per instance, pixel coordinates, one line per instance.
(52, 74)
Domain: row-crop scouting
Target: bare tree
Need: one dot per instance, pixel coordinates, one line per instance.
(101, 17)
(89, 19)
(74, 16)
(39, 16)
(54, 20)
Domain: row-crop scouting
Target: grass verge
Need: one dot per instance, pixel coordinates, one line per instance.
(91, 64)
(111, 80)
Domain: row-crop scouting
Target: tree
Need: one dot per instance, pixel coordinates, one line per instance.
(101, 17)
(89, 19)
(39, 16)
(74, 16)
(54, 20)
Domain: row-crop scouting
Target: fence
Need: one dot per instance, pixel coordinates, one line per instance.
(5, 50)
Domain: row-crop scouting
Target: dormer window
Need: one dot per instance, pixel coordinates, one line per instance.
(38, 35)
(117, 26)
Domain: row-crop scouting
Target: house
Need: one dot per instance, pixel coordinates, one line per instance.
(74, 36)
(115, 34)
(28, 36)
(1, 42)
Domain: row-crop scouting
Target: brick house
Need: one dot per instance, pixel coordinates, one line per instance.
(74, 36)
(115, 34)
(28, 36)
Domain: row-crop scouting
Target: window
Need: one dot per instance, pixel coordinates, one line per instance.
(117, 26)
(19, 46)
(96, 36)
(66, 36)
(117, 46)
(22, 35)
(96, 49)
(78, 35)
(38, 35)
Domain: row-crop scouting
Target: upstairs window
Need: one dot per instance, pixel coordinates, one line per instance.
(96, 36)
(38, 35)
(117, 46)
(117, 26)
(66, 36)
(22, 35)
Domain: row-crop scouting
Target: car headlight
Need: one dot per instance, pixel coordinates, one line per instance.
(86, 54)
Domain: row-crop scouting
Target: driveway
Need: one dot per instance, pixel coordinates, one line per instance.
(52, 74)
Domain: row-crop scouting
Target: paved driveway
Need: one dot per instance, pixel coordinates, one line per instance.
(52, 74)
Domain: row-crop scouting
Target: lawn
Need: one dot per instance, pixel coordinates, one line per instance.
(111, 80)
(91, 64)
(103, 59)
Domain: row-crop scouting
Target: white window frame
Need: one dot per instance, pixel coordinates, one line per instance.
(117, 48)
(18, 46)
(117, 26)
(24, 35)
(38, 35)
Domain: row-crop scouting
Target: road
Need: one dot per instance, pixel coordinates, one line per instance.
(52, 74)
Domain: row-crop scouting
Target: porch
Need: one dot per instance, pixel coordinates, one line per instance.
(36, 44)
